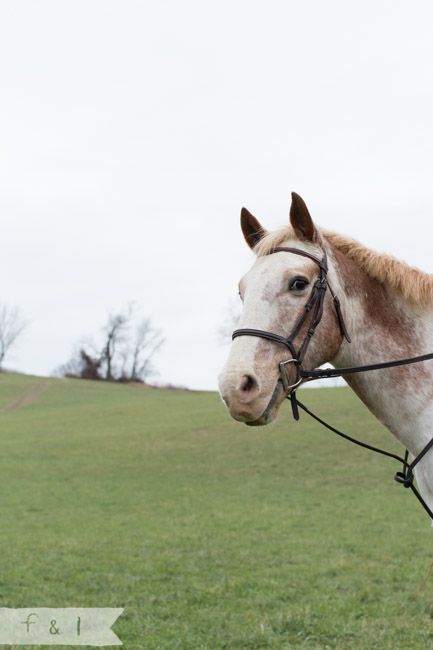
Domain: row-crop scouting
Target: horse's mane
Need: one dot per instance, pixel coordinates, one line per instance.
(411, 283)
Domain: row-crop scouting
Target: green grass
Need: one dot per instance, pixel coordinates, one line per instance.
(211, 534)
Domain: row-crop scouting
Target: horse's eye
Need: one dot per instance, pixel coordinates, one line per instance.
(298, 284)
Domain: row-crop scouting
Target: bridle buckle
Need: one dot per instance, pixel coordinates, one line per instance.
(290, 387)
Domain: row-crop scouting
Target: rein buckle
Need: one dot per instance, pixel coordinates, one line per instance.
(290, 387)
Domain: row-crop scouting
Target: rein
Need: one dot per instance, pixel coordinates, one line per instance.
(315, 305)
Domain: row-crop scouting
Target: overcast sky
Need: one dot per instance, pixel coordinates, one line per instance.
(133, 132)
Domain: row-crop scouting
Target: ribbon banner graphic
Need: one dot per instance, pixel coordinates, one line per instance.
(59, 626)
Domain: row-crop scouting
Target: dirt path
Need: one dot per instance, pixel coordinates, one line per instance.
(25, 397)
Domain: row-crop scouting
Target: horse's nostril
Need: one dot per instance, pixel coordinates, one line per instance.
(248, 384)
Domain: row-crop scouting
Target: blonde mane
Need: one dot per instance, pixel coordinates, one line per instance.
(411, 283)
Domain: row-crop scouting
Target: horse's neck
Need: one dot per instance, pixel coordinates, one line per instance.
(384, 327)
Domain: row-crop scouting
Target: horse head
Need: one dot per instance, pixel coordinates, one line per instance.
(279, 298)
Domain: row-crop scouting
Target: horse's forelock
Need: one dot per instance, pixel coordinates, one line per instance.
(286, 234)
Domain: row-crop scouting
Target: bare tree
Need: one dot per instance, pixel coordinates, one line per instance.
(230, 319)
(115, 333)
(125, 354)
(11, 326)
(147, 341)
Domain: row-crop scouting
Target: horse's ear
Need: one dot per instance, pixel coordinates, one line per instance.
(252, 229)
(300, 219)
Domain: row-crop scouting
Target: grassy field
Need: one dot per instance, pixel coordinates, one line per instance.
(211, 534)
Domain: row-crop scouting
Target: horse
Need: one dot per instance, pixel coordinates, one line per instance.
(378, 309)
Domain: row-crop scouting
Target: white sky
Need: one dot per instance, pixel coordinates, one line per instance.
(131, 133)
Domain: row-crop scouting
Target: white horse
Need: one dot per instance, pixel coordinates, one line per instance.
(388, 312)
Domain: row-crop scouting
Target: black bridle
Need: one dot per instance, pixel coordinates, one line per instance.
(315, 306)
